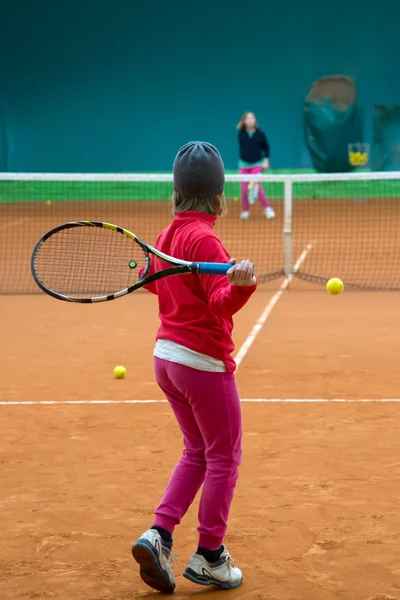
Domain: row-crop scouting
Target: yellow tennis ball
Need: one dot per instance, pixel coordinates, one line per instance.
(119, 372)
(48, 202)
(335, 286)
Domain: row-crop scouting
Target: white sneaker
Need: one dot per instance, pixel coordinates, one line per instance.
(269, 212)
(245, 214)
(155, 557)
(222, 573)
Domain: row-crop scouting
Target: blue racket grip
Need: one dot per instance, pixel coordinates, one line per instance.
(213, 268)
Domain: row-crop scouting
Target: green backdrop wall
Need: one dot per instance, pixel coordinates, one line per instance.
(119, 85)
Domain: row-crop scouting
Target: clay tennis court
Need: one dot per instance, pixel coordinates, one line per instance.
(316, 509)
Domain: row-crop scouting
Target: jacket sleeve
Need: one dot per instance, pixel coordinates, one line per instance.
(224, 298)
(264, 145)
(240, 140)
(151, 287)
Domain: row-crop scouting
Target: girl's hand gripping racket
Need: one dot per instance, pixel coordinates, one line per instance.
(91, 261)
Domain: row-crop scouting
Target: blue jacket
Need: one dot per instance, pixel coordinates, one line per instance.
(253, 148)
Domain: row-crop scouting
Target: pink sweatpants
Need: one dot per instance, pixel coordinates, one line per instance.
(261, 194)
(207, 408)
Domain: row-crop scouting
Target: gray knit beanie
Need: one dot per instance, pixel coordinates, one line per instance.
(198, 171)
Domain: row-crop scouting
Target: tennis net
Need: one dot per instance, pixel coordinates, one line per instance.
(325, 225)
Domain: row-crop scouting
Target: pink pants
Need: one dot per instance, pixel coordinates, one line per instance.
(207, 408)
(261, 194)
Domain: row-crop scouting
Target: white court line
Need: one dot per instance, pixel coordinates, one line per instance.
(13, 223)
(268, 309)
(248, 400)
(239, 357)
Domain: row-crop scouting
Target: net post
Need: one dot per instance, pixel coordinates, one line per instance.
(287, 225)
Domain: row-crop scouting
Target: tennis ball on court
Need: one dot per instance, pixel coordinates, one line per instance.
(236, 199)
(335, 286)
(48, 202)
(119, 372)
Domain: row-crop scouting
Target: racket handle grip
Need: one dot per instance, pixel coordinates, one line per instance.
(212, 268)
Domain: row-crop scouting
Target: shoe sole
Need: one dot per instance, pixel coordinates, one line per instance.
(224, 585)
(151, 571)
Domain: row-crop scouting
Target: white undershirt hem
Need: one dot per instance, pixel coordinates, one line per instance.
(173, 352)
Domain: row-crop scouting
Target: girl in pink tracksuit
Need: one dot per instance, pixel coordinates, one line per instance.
(253, 159)
(194, 368)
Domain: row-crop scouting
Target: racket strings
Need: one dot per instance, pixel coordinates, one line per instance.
(87, 262)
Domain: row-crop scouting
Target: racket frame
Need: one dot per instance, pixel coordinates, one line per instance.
(179, 267)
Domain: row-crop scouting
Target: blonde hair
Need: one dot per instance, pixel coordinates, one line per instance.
(241, 124)
(210, 205)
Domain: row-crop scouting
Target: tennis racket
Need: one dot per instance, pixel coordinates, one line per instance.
(253, 189)
(91, 261)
